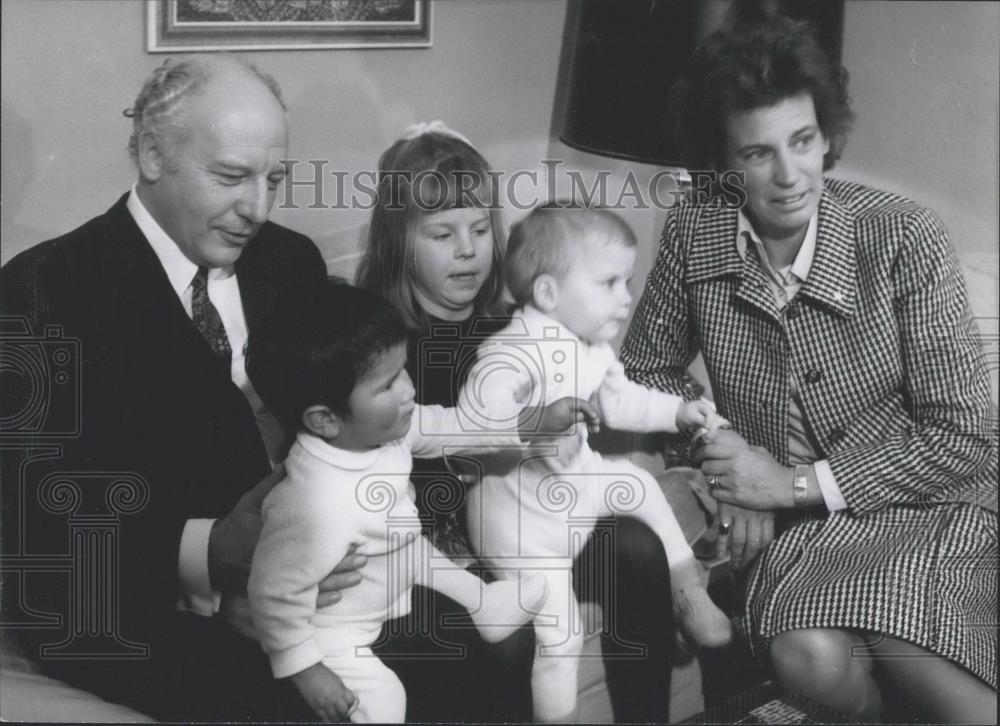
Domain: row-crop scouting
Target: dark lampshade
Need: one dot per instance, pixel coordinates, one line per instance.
(628, 53)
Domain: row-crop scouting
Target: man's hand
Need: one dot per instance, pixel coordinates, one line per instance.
(325, 693)
(557, 417)
(235, 610)
(343, 576)
(749, 531)
(231, 543)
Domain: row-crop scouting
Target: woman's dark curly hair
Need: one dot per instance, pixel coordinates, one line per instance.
(755, 65)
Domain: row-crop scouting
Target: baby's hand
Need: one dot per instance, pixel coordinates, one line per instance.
(715, 430)
(325, 693)
(697, 414)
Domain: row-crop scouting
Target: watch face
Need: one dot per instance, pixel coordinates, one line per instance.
(800, 485)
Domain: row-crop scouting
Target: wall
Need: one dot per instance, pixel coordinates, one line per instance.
(924, 79)
(924, 84)
(70, 66)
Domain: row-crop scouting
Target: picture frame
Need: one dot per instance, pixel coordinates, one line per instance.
(210, 25)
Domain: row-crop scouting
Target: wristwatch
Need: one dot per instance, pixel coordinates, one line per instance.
(800, 485)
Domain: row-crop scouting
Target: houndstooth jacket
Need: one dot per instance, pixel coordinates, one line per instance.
(880, 337)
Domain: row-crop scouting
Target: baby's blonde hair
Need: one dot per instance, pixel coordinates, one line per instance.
(549, 239)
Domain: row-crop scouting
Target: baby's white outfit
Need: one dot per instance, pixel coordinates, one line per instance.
(330, 499)
(533, 511)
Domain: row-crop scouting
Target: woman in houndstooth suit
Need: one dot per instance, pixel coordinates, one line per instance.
(838, 339)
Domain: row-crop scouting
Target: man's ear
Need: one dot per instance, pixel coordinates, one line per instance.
(151, 157)
(323, 422)
(545, 292)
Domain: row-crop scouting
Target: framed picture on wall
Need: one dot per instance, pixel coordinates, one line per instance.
(196, 25)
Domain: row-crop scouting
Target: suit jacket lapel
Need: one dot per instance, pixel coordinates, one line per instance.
(713, 254)
(833, 278)
(157, 316)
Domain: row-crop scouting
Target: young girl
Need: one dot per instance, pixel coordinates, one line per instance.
(435, 250)
(441, 271)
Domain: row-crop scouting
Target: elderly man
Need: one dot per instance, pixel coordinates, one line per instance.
(161, 293)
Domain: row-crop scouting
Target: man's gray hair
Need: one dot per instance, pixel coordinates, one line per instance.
(158, 109)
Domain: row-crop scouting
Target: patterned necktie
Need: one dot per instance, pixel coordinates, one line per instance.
(206, 319)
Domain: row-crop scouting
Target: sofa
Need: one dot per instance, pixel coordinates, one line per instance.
(27, 695)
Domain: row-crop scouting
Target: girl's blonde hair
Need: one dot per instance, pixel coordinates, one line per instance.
(429, 173)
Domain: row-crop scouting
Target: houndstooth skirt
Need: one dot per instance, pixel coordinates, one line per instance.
(927, 575)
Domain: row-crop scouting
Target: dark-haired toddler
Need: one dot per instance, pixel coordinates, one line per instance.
(330, 364)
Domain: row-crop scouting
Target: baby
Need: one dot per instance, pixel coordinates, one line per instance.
(329, 364)
(568, 269)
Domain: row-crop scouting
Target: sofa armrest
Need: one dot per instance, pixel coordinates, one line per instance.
(29, 695)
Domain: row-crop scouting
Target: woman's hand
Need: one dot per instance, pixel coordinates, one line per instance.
(718, 435)
(744, 529)
(234, 536)
(748, 532)
(747, 476)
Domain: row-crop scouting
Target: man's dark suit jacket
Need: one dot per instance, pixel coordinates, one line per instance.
(154, 404)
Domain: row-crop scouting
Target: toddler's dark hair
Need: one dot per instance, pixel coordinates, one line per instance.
(318, 340)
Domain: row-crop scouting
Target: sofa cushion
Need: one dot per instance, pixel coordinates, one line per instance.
(30, 696)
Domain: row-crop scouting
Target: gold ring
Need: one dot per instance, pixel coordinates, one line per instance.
(724, 528)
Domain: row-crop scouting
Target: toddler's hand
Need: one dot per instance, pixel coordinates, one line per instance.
(557, 417)
(325, 693)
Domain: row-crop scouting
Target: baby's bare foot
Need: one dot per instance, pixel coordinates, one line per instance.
(700, 619)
